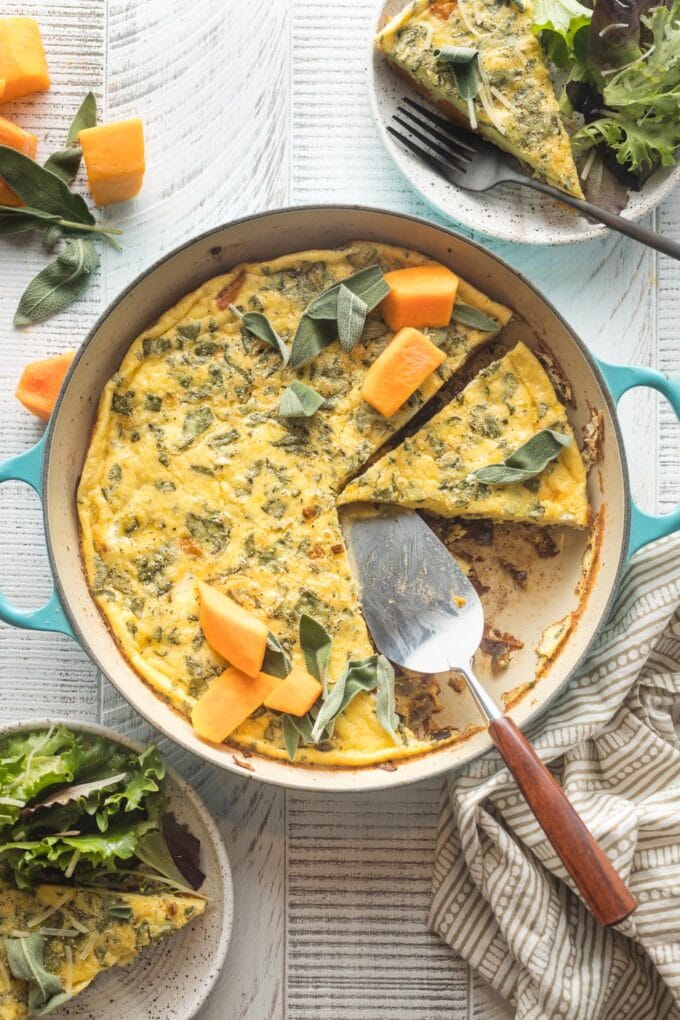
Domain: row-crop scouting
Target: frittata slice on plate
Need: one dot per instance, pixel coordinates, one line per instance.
(503, 407)
(80, 932)
(515, 106)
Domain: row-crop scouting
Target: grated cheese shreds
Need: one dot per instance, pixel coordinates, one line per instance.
(500, 97)
(72, 864)
(491, 113)
(59, 933)
(75, 923)
(465, 18)
(88, 946)
(41, 918)
(68, 983)
(12, 802)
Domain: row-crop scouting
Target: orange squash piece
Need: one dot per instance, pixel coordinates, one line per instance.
(14, 137)
(41, 382)
(295, 694)
(397, 373)
(419, 296)
(22, 58)
(2, 86)
(232, 631)
(114, 160)
(230, 699)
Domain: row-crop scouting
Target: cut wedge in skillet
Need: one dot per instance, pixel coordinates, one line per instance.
(499, 411)
(514, 105)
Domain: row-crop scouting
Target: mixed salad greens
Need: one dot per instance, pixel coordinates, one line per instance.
(77, 807)
(622, 66)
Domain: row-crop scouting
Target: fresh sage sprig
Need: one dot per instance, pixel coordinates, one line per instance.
(66, 162)
(260, 326)
(359, 675)
(276, 661)
(26, 961)
(59, 283)
(526, 462)
(316, 643)
(338, 312)
(295, 729)
(469, 316)
(464, 64)
(299, 401)
(386, 699)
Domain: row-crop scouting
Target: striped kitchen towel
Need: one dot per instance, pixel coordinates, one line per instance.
(501, 897)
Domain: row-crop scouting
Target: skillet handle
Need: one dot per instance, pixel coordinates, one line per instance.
(27, 467)
(600, 885)
(644, 528)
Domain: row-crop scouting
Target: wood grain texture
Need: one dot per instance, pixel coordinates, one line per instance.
(247, 107)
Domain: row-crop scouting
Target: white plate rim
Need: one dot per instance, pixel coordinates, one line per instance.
(211, 831)
(650, 197)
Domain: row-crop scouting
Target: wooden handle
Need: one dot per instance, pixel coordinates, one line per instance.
(600, 885)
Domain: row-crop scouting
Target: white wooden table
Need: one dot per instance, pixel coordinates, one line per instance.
(249, 106)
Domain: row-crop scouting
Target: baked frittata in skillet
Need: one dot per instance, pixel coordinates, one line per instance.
(193, 475)
(514, 106)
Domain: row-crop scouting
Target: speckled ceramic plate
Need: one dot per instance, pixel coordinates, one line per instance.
(509, 211)
(174, 978)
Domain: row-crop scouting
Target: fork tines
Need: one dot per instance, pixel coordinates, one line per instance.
(450, 148)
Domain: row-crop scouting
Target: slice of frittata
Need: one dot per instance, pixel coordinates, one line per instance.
(80, 932)
(503, 407)
(515, 106)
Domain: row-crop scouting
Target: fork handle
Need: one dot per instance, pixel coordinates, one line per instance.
(600, 885)
(624, 226)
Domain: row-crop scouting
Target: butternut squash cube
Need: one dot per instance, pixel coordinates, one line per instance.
(23, 66)
(114, 160)
(295, 694)
(237, 635)
(419, 296)
(2, 86)
(230, 699)
(41, 382)
(397, 373)
(15, 138)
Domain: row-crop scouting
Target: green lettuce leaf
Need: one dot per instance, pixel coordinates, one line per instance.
(562, 26)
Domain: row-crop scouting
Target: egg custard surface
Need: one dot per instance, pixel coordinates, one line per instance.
(515, 105)
(192, 475)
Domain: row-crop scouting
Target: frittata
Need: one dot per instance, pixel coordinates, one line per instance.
(498, 411)
(515, 105)
(80, 933)
(192, 476)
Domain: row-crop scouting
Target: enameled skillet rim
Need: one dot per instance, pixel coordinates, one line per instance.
(400, 777)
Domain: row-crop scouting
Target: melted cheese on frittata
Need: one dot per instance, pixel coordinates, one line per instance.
(107, 941)
(519, 113)
(498, 411)
(192, 476)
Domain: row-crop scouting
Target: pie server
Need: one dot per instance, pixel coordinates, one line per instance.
(424, 614)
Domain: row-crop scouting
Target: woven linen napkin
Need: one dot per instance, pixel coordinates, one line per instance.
(501, 897)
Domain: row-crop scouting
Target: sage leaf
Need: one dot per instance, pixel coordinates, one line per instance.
(385, 699)
(369, 284)
(311, 337)
(359, 675)
(52, 237)
(86, 117)
(19, 219)
(464, 64)
(470, 316)
(26, 960)
(299, 401)
(59, 283)
(121, 911)
(291, 736)
(259, 325)
(315, 642)
(41, 189)
(275, 662)
(526, 462)
(195, 424)
(352, 312)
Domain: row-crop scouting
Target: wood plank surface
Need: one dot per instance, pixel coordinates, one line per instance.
(247, 107)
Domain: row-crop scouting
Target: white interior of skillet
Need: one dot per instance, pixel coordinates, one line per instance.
(264, 237)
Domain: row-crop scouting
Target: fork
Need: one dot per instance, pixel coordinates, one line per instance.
(471, 163)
